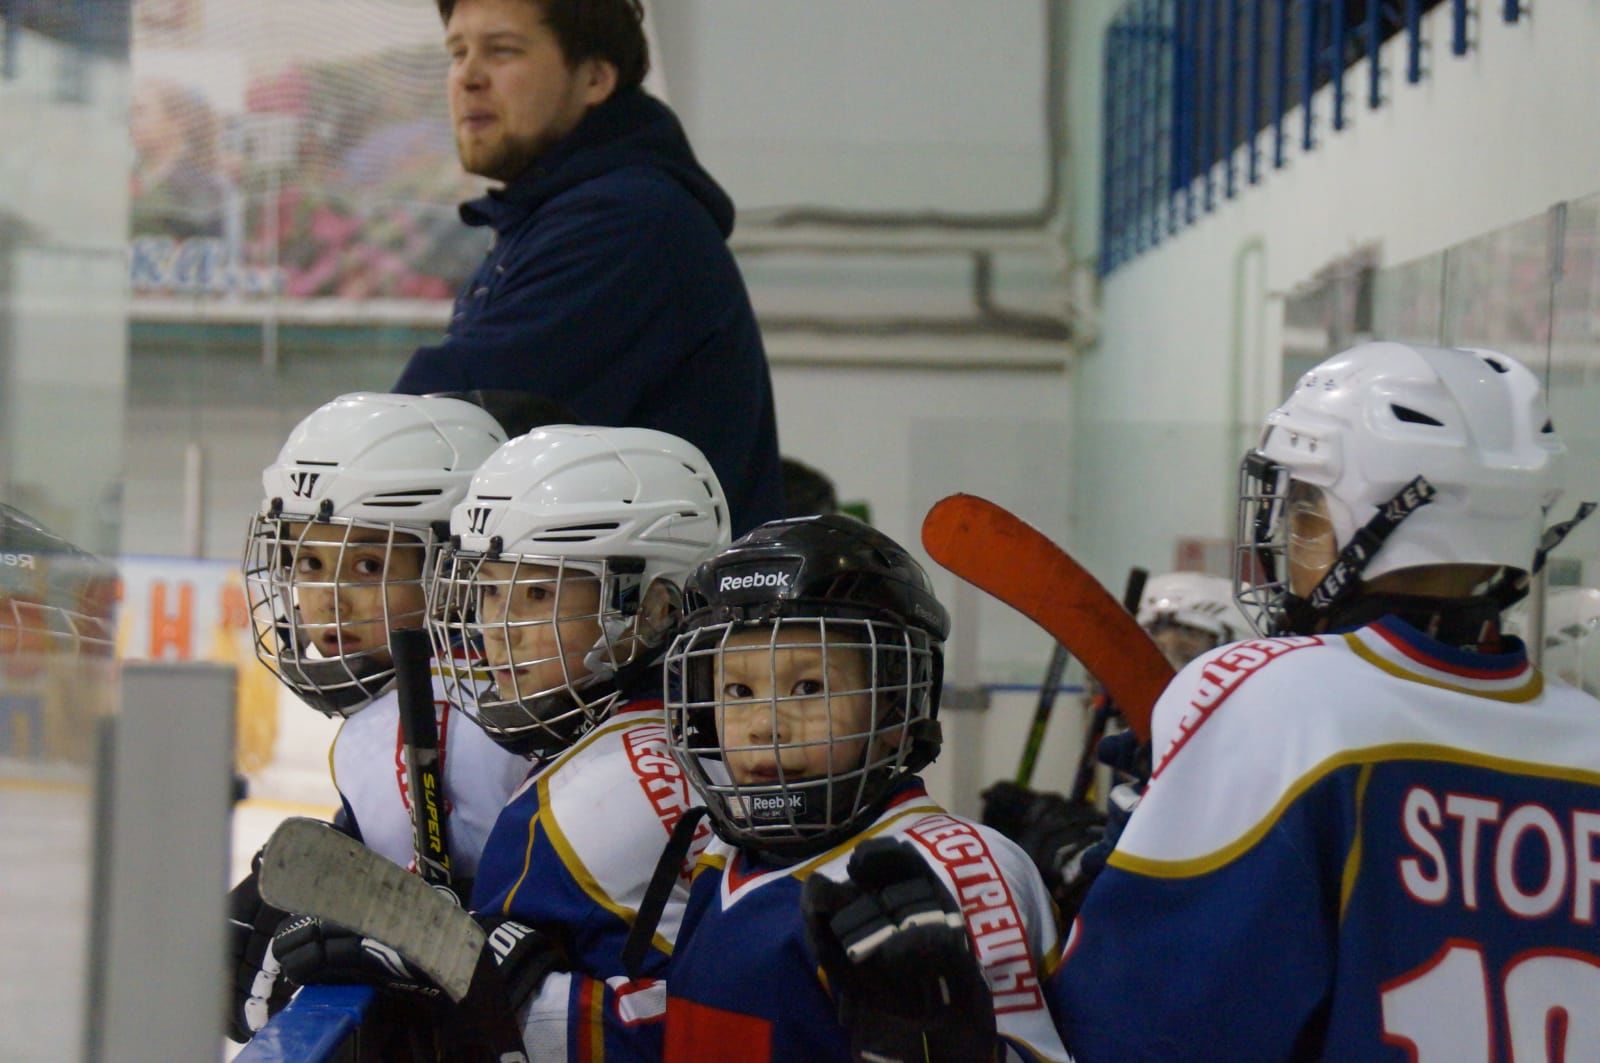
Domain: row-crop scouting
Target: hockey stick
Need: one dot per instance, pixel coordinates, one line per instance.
(1041, 712)
(1105, 707)
(1001, 554)
(310, 868)
(419, 731)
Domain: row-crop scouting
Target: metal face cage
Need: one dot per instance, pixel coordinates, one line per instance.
(324, 594)
(1260, 552)
(811, 720)
(530, 645)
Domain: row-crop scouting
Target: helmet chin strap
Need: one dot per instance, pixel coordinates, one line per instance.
(1513, 587)
(1343, 578)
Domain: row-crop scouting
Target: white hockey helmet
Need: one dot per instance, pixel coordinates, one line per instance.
(340, 550)
(604, 524)
(1571, 624)
(1195, 600)
(1362, 428)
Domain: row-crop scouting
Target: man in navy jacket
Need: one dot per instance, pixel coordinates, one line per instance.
(609, 286)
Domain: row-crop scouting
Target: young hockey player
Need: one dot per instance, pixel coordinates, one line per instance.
(337, 557)
(563, 584)
(840, 913)
(1370, 833)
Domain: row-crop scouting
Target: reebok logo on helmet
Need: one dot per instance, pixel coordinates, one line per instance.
(755, 580)
(17, 560)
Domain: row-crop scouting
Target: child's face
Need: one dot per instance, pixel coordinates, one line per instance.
(1180, 643)
(343, 576)
(771, 712)
(531, 648)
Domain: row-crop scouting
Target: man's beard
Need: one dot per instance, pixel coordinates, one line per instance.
(502, 161)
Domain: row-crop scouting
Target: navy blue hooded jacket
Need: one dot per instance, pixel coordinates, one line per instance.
(610, 288)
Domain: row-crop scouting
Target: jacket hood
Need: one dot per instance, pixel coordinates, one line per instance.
(630, 129)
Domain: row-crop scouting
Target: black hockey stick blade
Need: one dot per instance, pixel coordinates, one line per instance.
(312, 869)
(419, 731)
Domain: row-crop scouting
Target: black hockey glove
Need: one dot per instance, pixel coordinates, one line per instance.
(258, 991)
(514, 964)
(1054, 832)
(894, 947)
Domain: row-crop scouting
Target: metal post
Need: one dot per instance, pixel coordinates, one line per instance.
(1374, 65)
(1280, 83)
(161, 871)
(1413, 41)
(194, 500)
(1109, 152)
(1458, 24)
(1254, 130)
(1308, 73)
(1336, 62)
(1230, 98)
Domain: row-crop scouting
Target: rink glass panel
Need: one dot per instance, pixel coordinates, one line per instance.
(63, 353)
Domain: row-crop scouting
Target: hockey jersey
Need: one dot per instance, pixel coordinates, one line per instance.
(575, 848)
(573, 854)
(745, 983)
(369, 770)
(1367, 846)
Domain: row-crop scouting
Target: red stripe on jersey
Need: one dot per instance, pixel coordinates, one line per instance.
(1439, 665)
(705, 1034)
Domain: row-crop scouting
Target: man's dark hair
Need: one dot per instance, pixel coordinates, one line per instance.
(612, 30)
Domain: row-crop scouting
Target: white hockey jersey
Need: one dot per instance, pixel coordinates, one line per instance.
(369, 770)
(1360, 846)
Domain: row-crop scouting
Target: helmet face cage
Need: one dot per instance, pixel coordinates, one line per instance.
(812, 719)
(54, 618)
(528, 644)
(1261, 538)
(324, 593)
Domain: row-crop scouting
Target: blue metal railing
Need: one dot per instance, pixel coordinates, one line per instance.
(1191, 87)
(320, 1025)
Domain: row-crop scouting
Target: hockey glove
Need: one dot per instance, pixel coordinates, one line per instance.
(1054, 832)
(514, 964)
(894, 948)
(259, 991)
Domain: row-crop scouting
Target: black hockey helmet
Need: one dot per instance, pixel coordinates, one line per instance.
(866, 612)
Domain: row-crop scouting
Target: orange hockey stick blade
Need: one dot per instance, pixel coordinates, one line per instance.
(998, 552)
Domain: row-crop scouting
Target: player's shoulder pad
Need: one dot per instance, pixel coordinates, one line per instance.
(1236, 676)
(620, 776)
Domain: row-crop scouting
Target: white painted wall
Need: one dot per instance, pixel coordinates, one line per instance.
(1189, 332)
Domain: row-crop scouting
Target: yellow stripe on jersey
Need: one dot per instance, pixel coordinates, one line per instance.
(1352, 860)
(569, 856)
(1371, 756)
(544, 804)
(916, 808)
(1527, 692)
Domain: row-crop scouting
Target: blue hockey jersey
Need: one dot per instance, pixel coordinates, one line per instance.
(745, 983)
(1366, 846)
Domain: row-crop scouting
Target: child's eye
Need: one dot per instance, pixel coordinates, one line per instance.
(489, 590)
(307, 565)
(538, 592)
(807, 688)
(737, 691)
(368, 566)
